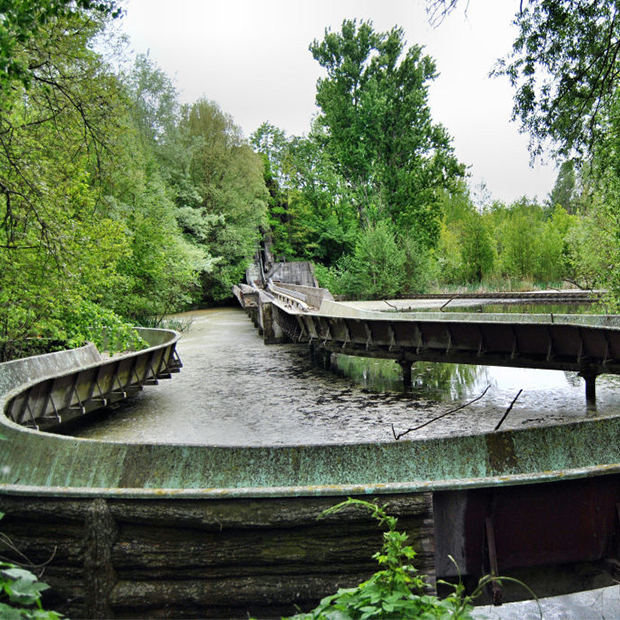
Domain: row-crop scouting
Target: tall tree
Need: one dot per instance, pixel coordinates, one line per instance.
(377, 127)
(59, 243)
(23, 22)
(565, 69)
(477, 251)
(155, 100)
(272, 145)
(229, 203)
(566, 191)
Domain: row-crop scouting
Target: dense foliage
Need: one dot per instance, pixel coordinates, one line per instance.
(20, 595)
(565, 68)
(376, 199)
(117, 204)
(361, 195)
(378, 131)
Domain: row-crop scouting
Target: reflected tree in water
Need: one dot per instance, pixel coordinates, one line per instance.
(429, 379)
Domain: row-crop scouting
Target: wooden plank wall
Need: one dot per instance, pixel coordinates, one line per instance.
(168, 558)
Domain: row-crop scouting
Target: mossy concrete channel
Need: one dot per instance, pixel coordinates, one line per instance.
(173, 530)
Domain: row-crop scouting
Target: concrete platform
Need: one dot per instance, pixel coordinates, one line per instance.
(601, 604)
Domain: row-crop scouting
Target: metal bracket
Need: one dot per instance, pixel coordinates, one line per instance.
(80, 406)
(393, 343)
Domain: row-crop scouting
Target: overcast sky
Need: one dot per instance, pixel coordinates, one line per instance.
(252, 58)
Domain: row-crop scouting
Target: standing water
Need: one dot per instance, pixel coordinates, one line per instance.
(235, 391)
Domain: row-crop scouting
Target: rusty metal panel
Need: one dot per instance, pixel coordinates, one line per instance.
(534, 525)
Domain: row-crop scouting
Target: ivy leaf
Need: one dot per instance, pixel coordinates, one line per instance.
(22, 586)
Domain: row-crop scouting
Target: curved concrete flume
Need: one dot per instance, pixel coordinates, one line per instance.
(136, 518)
(31, 461)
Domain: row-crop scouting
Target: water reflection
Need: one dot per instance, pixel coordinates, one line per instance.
(439, 381)
(455, 382)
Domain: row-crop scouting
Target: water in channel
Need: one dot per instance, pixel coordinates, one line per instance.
(236, 391)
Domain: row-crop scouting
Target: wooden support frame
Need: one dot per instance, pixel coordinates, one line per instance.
(496, 588)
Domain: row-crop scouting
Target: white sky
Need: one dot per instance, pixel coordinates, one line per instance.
(252, 58)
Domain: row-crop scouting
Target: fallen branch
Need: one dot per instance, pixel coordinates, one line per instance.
(583, 288)
(514, 400)
(447, 302)
(443, 415)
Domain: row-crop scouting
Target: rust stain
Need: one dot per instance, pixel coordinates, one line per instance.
(501, 451)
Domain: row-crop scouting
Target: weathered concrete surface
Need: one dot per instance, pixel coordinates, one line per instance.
(33, 368)
(61, 465)
(600, 604)
(299, 272)
(374, 310)
(39, 463)
(65, 393)
(226, 558)
(270, 328)
(312, 295)
(52, 468)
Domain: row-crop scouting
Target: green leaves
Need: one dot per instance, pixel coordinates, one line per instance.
(20, 595)
(22, 21)
(21, 585)
(378, 130)
(231, 197)
(397, 591)
(564, 67)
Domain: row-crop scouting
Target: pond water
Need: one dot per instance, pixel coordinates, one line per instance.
(234, 390)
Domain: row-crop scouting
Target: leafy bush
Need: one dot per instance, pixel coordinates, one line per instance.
(89, 322)
(23, 592)
(395, 591)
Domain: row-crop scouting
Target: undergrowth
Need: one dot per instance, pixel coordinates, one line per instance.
(397, 590)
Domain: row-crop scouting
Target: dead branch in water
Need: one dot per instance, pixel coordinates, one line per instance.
(508, 410)
(443, 415)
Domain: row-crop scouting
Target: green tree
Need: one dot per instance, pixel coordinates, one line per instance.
(449, 263)
(162, 268)
(87, 223)
(23, 23)
(59, 243)
(595, 245)
(466, 250)
(229, 200)
(554, 257)
(564, 70)
(477, 249)
(272, 145)
(376, 268)
(520, 231)
(310, 216)
(155, 105)
(377, 127)
(593, 250)
(323, 222)
(566, 191)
